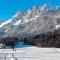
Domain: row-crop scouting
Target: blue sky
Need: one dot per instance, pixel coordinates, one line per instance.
(9, 7)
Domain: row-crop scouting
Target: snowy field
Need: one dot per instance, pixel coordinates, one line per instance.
(30, 53)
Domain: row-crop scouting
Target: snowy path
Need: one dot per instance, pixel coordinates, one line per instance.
(30, 53)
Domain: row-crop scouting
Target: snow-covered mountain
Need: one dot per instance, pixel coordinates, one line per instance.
(36, 20)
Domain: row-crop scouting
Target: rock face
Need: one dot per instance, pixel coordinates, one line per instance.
(36, 21)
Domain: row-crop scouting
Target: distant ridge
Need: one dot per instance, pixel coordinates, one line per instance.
(36, 20)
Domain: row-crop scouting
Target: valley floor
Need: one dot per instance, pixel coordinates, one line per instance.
(30, 53)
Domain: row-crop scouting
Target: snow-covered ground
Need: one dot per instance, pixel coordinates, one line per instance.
(30, 53)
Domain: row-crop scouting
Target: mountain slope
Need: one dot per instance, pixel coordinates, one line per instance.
(35, 21)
